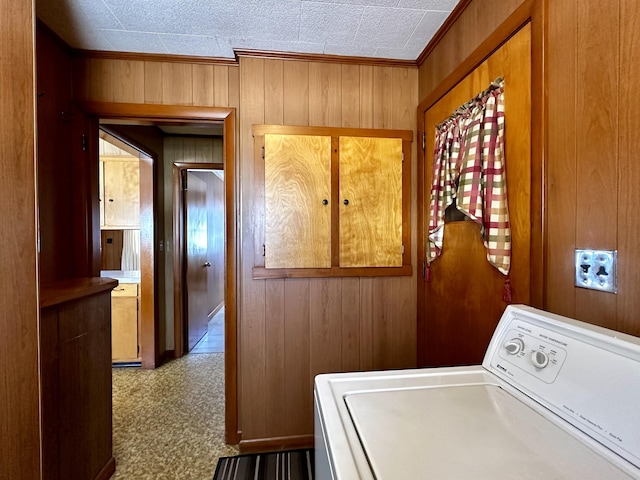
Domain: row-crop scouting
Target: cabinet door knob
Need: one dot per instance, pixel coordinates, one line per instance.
(346, 202)
(207, 264)
(325, 201)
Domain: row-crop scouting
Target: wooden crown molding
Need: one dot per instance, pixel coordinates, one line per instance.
(154, 57)
(442, 31)
(324, 58)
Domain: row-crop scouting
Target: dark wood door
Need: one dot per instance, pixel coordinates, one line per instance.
(463, 303)
(197, 264)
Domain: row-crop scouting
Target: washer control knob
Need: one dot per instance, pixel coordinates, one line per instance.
(514, 346)
(539, 359)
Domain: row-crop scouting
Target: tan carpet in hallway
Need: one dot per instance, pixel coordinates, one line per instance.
(168, 423)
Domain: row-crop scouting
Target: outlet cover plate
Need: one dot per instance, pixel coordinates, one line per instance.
(597, 270)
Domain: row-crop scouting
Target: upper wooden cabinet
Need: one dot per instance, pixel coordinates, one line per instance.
(120, 192)
(336, 202)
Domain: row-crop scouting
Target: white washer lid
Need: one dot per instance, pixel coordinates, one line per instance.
(464, 432)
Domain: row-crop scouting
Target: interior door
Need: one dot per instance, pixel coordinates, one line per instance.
(197, 264)
(463, 302)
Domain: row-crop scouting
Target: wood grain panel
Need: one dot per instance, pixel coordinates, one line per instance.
(203, 85)
(152, 83)
(325, 320)
(350, 113)
(298, 397)
(296, 84)
(177, 84)
(274, 91)
(297, 182)
(561, 211)
(252, 352)
(221, 86)
(483, 305)
(275, 366)
(325, 94)
(475, 24)
(628, 171)
(371, 183)
(597, 65)
(128, 81)
(20, 431)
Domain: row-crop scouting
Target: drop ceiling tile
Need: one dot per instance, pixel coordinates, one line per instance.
(375, 3)
(427, 28)
(294, 47)
(395, 53)
(269, 20)
(196, 45)
(349, 51)
(320, 23)
(124, 41)
(386, 27)
(165, 16)
(434, 5)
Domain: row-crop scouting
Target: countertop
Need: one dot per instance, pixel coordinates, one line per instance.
(67, 290)
(123, 276)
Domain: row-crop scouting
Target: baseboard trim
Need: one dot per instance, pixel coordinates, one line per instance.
(276, 443)
(108, 470)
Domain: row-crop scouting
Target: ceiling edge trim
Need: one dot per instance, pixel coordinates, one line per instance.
(321, 57)
(442, 31)
(154, 57)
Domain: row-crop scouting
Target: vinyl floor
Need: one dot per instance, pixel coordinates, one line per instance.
(168, 423)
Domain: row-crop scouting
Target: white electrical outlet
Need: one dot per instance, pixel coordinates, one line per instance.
(597, 269)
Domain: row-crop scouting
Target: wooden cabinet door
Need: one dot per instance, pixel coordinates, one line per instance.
(121, 198)
(124, 323)
(370, 202)
(297, 201)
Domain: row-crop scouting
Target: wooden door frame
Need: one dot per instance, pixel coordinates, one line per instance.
(533, 12)
(189, 114)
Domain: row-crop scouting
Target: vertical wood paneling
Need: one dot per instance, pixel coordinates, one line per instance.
(296, 102)
(275, 310)
(297, 359)
(475, 24)
(128, 81)
(203, 85)
(273, 95)
(177, 84)
(19, 414)
(597, 145)
(351, 96)
(252, 295)
(325, 94)
(629, 170)
(289, 329)
(152, 82)
(221, 86)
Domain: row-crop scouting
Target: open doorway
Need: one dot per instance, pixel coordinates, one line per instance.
(121, 190)
(203, 296)
(161, 331)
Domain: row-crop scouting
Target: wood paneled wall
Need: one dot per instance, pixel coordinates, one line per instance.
(591, 168)
(290, 330)
(293, 329)
(475, 24)
(19, 396)
(593, 171)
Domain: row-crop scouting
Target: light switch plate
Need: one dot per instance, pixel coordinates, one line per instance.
(597, 269)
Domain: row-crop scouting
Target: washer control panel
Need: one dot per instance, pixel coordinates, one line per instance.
(533, 351)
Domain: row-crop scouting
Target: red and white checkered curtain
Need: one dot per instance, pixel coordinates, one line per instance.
(469, 169)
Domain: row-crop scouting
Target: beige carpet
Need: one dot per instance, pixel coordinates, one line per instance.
(168, 423)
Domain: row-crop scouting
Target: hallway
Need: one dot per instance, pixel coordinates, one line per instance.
(168, 423)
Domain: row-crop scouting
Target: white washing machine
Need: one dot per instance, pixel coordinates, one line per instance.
(554, 398)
